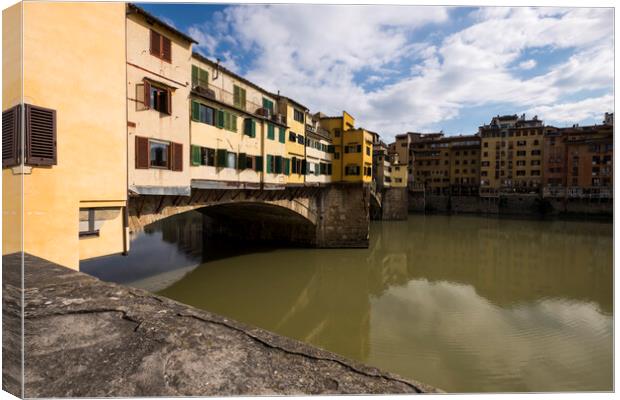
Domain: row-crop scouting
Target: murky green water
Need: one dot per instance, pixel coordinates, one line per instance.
(462, 303)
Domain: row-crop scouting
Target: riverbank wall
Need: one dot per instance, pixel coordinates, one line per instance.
(510, 204)
(88, 338)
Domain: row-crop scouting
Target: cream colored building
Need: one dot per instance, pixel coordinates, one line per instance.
(158, 72)
(318, 164)
(74, 86)
(238, 139)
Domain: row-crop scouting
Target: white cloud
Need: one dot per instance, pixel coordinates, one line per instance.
(528, 64)
(315, 54)
(564, 114)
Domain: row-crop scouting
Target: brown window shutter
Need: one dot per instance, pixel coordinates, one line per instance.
(11, 121)
(40, 143)
(169, 102)
(142, 152)
(155, 43)
(177, 156)
(147, 94)
(166, 49)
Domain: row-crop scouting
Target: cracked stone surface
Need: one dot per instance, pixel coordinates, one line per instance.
(88, 338)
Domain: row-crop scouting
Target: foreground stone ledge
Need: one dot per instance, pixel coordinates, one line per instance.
(85, 337)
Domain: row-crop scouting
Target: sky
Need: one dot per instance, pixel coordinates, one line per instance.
(405, 68)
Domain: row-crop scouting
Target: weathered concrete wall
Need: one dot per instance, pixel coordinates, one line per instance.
(593, 207)
(88, 338)
(417, 201)
(395, 204)
(344, 216)
(474, 205)
(437, 203)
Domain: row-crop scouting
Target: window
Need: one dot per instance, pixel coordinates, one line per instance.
(268, 104)
(352, 170)
(282, 135)
(231, 160)
(520, 163)
(535, 162)
(200, 77)
(298, 115)
(535, 152)
(226, 120)
(40, 135)
(91, 219)
(292, 137)
(337, 132)
(207, 156)
(367, 150)
(278, 164)
(536, 172)
(486, 144)
(158, 98)
(337, 155)
(160, 46)
(151, 153)
(249, 127)
(158, 154)
(271, 132)
(203, 113)
(239, 97)
(300, 139)
(521, 153)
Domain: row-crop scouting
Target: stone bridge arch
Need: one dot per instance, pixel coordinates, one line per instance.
(335, 215)
(146, 209)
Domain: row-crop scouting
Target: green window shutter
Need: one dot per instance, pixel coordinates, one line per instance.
(269, 158)
(253, 127)
(247, 126)
(195, 155)
(236, 95)
(194, 76)
(203, 77)
(268, 104)
(259, 163)
(195, 111)
(220, 119)
(278, 164)
(270, 132)
(282, 135)
(243, 98)
(303, 167)
(287, 166)
(233, 122)
(242, 161)
(221, 157)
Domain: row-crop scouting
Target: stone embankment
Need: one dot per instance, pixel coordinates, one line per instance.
(88, 338)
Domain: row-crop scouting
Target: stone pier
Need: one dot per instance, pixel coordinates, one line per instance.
(87, 338)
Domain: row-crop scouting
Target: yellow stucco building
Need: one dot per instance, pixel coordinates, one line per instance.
(352, 149)
(74, 181)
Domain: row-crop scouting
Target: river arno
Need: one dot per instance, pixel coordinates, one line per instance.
(463, 303)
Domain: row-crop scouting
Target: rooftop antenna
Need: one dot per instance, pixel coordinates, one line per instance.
(217, 69)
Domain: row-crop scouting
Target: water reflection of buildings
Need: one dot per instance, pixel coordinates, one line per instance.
(513, 261)
(184, 230)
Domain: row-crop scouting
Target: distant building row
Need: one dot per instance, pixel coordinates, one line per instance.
(512, 154)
